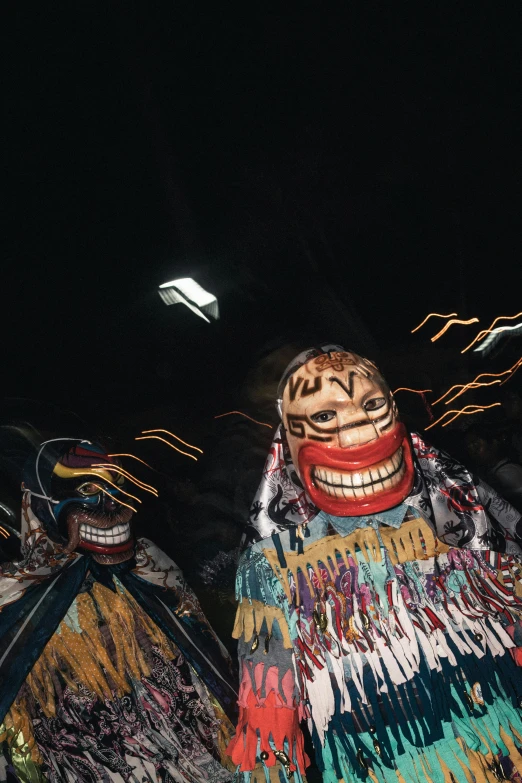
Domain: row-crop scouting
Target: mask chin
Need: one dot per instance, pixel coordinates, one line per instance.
(361, 479)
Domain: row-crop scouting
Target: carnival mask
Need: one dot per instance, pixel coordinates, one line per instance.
(90, 508)
(347, 444)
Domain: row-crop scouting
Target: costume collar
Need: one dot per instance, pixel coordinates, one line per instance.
(393, 517)
(456, 506)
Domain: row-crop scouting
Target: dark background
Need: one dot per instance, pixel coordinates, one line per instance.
(329, 173)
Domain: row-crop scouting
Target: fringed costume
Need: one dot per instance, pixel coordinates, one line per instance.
(393, 628)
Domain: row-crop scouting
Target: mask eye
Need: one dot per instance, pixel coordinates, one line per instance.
(375, 403)
(323, 416)
(88, 489)
(119, 479)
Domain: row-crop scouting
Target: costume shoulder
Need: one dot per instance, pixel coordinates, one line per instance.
(464, 511)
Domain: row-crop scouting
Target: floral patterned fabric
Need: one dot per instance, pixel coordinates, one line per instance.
(111, 673)
(110, 699)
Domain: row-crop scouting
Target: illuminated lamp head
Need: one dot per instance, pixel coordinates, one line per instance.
(78, 493)
(351, 452)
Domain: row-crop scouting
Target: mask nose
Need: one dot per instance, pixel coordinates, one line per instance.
(109, 503)
(357, 433)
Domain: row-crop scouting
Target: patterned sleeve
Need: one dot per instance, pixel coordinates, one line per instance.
(268, 736)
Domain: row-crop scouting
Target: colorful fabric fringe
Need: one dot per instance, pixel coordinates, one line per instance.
(400, 651)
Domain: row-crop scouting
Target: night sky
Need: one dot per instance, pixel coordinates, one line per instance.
(331, 175)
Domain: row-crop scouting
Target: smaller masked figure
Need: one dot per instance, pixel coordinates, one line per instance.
(89, 508)
(109, 669)
(379, 597)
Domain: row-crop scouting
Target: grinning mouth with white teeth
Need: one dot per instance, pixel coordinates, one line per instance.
(363, 482)
(112, 536)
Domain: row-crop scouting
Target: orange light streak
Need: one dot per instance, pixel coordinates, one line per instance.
(190, 446)
(94, 473)
(450, 323)
(465, 385)
(431, 316)
(415, 391)
(471, 385)
(157, 437)
(133, 456)
(4, 532)
(120, 490)
(484, 332)
(115, 498)
(464, 410)
(512, 371)
(240, 413)
(127, 475)
(479, 410)
(475, 380)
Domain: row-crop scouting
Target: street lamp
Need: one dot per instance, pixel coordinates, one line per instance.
(191, 294)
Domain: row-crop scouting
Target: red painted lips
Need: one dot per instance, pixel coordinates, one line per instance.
(359, 479)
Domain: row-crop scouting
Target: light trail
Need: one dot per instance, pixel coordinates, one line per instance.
(450, 323)
(106, 492)
(485, 332)
(130, 477)
(513, 371)
(3, 532)
(474, 383)
(467, 409)
(189, 445)
(115, 487)
(157, 437)
(471, 385)
(78, 472)
(479, 410)
(415, 391)
(431, 315)
(133, 456)
(229, 413)
(494, 332)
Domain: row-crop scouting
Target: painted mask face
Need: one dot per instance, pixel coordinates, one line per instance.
(93, 511)
(351, 451)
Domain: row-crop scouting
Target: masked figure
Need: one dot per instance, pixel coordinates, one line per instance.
(379, 597)
(109, 670)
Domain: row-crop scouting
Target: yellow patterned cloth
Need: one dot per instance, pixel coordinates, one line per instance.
(111, 695)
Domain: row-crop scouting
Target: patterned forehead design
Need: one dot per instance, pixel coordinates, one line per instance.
(80, 460)
(84, 456)
(327, 357)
